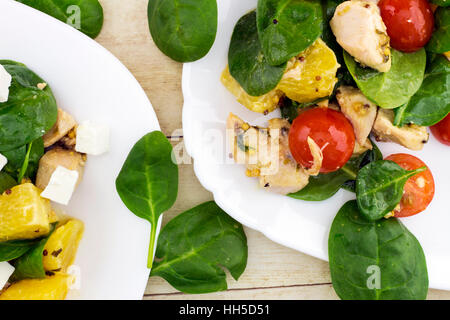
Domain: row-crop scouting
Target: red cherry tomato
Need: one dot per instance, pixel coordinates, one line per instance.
(419, 189)
(409, 23)
(330, 130)
(441, 130)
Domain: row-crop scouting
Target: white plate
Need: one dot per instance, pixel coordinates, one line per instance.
(294, 223)
(91, 84)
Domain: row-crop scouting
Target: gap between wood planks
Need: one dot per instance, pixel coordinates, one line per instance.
(243, 289)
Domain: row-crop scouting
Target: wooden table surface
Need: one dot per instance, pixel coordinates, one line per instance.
(273, 271)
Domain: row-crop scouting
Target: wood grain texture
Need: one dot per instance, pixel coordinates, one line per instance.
(273, 271)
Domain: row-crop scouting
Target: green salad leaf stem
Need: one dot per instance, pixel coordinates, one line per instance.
(148, 181)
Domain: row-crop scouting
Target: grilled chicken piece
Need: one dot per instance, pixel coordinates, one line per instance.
(410, 136)
(265, 152)
(64, 123)
(359, 29)
(359, 111)
(361, 148)
(59, 157)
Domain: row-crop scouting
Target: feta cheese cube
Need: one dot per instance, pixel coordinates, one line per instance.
(3, 161)
(92, 138)
(5, 83)
(61, 185)
(6, 270)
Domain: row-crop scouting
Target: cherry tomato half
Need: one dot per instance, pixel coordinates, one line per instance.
(419, 189)
(330, 130)
(441, 130)
(409, 23)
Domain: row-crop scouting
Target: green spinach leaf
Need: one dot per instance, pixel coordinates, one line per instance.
(442, 3)
(287, 27)
(375, 260)
(183, 30)
(393, 88)
(30, 265)
(6, 182)
(247, 62)
(14, 249)
(17, 160)
(379, 187)
(440, 41)
(324, 186)
(432, 102)
(84, 15)
(148, 181)
(195, 246)
(29, 111)
(289, 109)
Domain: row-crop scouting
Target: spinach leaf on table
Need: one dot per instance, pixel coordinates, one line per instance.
(247, 62)
(148, 181)
(85, 15)
(194, 247)
(183, 30)
(432, 102)
(16, 159)
(393, 88)
(440, 40)
(29, 111)
(379, 187)
(30, 265)
(325, 185)
(6, 182)
(361, 252)
(287, 27)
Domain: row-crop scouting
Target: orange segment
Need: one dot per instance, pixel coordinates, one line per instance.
(51, 288)
(62, 246)
(311, 75)
(263, 104)
(23, 213)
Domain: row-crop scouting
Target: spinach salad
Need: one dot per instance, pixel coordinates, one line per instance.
(346, 75)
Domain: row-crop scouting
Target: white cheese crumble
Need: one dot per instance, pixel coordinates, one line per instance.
(5, 83)
(6, 270)
(61, 185)
(92, 138)
(3, 161)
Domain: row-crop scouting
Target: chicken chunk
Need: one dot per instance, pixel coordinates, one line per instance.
(358, 110)
(265, 151)
(53, 158)
(64, 123)
(361, 148)
(360, 30)
(410, 136)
